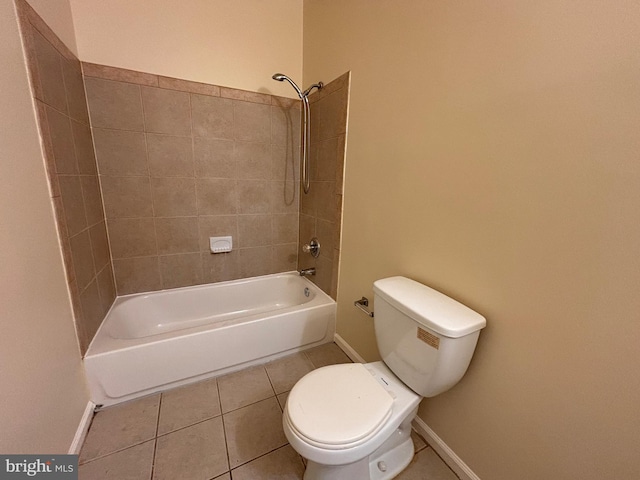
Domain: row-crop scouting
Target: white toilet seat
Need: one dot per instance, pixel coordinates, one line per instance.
(338, 407)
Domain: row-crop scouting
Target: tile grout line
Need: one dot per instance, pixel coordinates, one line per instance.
(155, 438)
(224, 430)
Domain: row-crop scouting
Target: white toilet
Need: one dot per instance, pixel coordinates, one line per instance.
(353, 421)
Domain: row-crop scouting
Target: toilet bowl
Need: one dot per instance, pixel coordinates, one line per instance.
(344, 419)
(353, 421)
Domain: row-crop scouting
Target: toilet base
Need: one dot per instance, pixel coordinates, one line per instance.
(385, 463)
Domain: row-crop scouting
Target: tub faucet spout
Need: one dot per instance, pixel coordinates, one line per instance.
(307, 271)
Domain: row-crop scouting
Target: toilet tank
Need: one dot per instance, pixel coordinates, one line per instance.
(426, 338)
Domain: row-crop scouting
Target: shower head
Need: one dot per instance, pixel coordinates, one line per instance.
(281, 77)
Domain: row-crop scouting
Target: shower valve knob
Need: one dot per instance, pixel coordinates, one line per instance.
(313, 247)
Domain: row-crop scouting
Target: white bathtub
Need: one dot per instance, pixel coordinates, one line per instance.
(155, 341)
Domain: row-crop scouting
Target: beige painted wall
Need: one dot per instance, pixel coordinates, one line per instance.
(492, 153)
(43, 389)
(57, 14)
(233, 44)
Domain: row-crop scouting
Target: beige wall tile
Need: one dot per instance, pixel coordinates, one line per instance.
(174, 197)
(212, 116)
(307, 228)
(188, 86)
(181, 270)
(255, 261)
(92, 199)
(220, 267)
(127, 197)
(285, 125)
(82, 259)
(285, 163)
(177, 235)
(166, 111)
(132, 237)
(327, 160)
(217, 226)
(119, 74)
(327, 236)
(254, 230)
(284, 257)
(49, 63)
(133, 275)
(252, 122)
(114, 104)
(62, 142)
(170, 156)
(99, 245)
(120, 153)
(106, 288)
(284, 228)
(253, 196)
(92, 312)
(214, 157)
(332, 114)
(253, 160)
(73, 203)
(217, 196)
(283, 197)
(325, 200)
(245, 95)
(83, 142)
(324, 273)
(74, 87)
(63, 237)
(47, 147)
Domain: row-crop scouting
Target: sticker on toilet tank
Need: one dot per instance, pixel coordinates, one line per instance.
(429, 338)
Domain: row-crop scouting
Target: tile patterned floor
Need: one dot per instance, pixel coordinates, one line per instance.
(226, 428)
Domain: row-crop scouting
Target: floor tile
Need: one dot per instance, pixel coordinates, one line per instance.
(327, 354)
(244, 388)
(282, 399)
(121, 426)
(134, 463)
(281, 464)
(418, 441)
(286, 371)
(197, 452)
(253, 431)
(426, 464)
(187, 405)
(226, 476)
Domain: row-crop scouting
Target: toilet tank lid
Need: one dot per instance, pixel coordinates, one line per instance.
(427, 306)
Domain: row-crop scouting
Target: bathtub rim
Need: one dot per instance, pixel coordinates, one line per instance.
(103, 344)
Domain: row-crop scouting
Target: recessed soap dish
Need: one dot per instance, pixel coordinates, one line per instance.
(221, 244)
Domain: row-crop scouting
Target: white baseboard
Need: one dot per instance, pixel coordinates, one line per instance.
(449, 457)
(83, 428)
(346, 348)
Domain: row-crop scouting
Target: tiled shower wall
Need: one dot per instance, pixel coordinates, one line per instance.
(63, 121)
(180, 162)
(321, 208)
